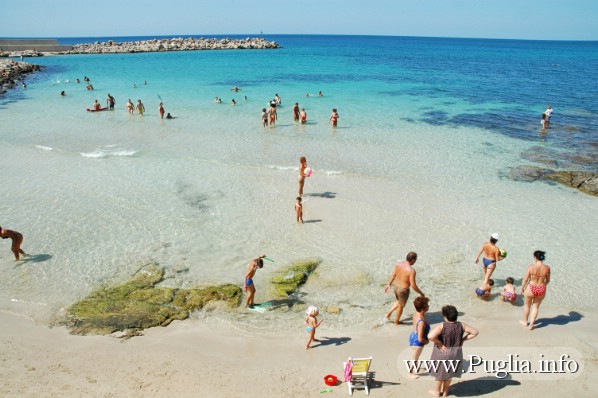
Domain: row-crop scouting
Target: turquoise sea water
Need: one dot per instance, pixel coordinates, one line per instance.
(429, 130)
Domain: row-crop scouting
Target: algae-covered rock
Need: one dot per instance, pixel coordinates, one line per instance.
(139, 304)
(288, 279)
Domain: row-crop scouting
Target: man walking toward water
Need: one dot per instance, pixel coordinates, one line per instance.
(17, 239)
(403, 278)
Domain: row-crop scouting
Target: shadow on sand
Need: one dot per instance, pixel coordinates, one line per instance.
(482, 386)
(327, 195)
(37, 258)
(560, 320)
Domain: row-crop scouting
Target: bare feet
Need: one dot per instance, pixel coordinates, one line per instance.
(434, 392)
(414, 375)
(524, 323)
(531, 326)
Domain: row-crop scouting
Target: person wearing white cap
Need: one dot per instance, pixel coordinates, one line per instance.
(491, 256)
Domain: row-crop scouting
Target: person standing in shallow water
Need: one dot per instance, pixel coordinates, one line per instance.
(296, 112)
(140, 108)
(491, 256)
(403, 279)
(533, 288)
(334, 117)
(161, 110)
(17, 240)
(248, 285)
(302, 167)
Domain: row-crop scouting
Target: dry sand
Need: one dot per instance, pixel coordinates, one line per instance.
(192, 359)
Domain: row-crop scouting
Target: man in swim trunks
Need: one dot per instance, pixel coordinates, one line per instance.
(296, 112)
(248, 285)
(17, 239)
(110, 101)
(403, 278)
(491, 256)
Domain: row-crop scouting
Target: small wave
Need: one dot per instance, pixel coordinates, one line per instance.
(107, 152)
(271, 166)
(285, 168)
(44, 148)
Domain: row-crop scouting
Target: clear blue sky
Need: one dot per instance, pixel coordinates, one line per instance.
(510, 19)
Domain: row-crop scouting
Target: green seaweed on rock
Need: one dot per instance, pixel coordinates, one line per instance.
(287, 280)
(139, 304)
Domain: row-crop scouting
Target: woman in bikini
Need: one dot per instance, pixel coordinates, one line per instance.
(491, 256)
(534, 288)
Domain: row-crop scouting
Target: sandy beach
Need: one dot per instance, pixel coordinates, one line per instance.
(99, 196)
(191, 358)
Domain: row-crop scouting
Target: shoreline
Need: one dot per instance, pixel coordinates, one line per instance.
(191, 357)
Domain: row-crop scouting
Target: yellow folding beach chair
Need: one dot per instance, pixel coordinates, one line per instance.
(358, 375)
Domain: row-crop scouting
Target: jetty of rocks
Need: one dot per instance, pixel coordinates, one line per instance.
(175, 44)
(12, 71)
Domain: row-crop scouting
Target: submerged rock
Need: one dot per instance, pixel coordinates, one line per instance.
(288, 279)
(585, 181)
(139, 304)
(527, 173)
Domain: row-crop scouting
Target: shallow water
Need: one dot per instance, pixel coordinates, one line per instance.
(428, 129)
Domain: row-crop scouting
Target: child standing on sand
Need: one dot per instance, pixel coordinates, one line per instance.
(483, 291)
(312, 323)
(508, 291)
(299, 210)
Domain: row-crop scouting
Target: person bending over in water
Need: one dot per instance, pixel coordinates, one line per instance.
(17, 239)
(483, 291)
(533, 288)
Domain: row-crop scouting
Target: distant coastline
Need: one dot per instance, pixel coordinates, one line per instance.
(40, 47)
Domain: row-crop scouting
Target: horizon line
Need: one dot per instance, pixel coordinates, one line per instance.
(261, 34)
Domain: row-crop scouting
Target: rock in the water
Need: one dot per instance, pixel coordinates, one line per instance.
(527, 173)
(288, 279)
(585, 181)
(139, 304)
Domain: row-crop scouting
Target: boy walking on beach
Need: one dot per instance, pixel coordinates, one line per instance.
(403, 278)
(299, 210)
(248, 285)
(17, 239)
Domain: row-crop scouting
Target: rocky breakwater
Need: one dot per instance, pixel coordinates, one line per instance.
(12, 71)
(176, 44)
